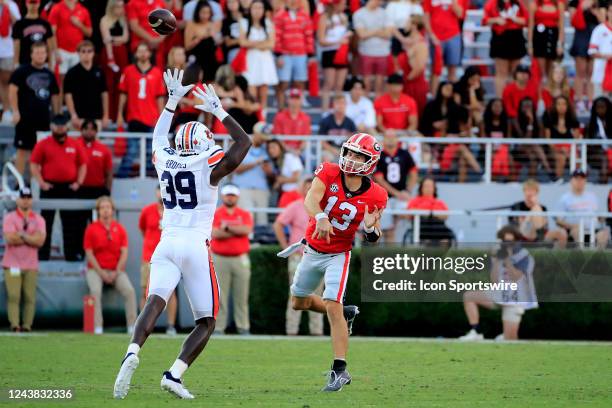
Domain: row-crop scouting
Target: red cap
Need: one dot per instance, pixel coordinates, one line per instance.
(295, 93)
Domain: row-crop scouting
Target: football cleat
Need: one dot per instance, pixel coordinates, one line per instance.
(472, 335)
(174, 386)
(336, 380)
(350, 313)
(122, 383)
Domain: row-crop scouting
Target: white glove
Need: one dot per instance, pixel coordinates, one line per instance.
(176, 90)
(210, 101)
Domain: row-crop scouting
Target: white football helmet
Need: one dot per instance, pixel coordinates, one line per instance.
(193, 138)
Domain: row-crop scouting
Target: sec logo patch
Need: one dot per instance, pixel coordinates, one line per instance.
(334, 188)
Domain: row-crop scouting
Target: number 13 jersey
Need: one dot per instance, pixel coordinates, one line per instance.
(189, 199)
(345, 209)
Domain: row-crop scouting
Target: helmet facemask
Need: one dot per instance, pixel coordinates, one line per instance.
(351, 166)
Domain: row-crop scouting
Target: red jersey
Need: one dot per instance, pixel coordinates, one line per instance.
(59, 162)
(396, 114)
(444, 21)
(344, 208)
(139, 10)
(142, 89)
(99, 162)
(68, 35)
(149, 225)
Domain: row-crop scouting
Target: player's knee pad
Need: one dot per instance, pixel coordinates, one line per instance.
(512, 314)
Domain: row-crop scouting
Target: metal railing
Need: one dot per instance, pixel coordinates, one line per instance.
(313, 149)
(588, 222)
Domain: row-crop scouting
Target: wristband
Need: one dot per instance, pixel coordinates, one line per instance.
(369, 230)
(321, 215)
(220, 114)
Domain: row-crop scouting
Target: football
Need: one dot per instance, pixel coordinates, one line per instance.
(162, 21)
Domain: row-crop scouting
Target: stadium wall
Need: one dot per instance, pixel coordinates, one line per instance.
(269, 294)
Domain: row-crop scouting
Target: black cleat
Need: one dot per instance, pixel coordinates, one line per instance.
(350, 313)
(336, 380)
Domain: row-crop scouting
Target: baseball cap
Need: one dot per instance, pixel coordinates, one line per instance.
(579, 173)
(230, 189)
(262, 128)
(295, 93)
(395, 79)
(60, 119)
(25, 193)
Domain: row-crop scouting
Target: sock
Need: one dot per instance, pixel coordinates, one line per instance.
(339, 365)
(475, 327)
(178, 368)
(133, 348)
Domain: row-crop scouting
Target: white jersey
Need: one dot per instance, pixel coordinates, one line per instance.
(189, 199)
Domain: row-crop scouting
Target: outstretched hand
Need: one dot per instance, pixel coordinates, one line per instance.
(174, 84)
(210, 101)
(370, 219)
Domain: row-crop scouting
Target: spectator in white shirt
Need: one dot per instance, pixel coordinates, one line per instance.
(600, 49)
(578, 200)
(359, 108)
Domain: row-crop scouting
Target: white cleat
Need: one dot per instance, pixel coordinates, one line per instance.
(472, 335)
(174, 386)
(122, 383)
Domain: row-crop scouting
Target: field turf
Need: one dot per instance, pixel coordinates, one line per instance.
(276, 372)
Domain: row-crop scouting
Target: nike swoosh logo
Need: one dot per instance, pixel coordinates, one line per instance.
(360, 202)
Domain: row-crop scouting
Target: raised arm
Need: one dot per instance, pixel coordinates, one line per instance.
(242, 142)
(176, 91)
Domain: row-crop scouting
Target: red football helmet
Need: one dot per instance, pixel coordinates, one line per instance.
(364, 144)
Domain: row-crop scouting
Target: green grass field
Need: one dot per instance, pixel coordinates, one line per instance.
(290, 373)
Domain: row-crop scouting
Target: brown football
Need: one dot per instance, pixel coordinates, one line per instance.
(162, 21)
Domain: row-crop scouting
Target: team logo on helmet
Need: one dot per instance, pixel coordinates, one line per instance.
(377, 147)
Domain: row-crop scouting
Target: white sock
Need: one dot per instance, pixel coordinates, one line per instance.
(178, 368)
(133, 348)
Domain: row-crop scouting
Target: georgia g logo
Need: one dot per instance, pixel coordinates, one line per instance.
(377, 147)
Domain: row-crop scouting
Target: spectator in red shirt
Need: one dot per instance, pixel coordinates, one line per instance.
(522, 87)
(443, 24)
(106, 246)
(99, 178)
(142, 98)
(230, 248)
(546, 33)
(433, 227)
(59, 166)
(507, 19)
(294, 43)
(137, 12)
(293, 121)
(396, 110)
(71, 23)
(149, 224)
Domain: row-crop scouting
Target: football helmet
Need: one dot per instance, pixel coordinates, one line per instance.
(193, 138)
(364, 144)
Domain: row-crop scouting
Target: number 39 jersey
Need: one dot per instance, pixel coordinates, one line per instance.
(189, 199)
(345, 209)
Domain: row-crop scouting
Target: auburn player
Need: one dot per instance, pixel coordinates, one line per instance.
(188, 176)
(341, 197)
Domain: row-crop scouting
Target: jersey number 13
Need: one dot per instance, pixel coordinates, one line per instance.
(347, 217)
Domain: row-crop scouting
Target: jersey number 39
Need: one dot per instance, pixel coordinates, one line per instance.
(183, 185)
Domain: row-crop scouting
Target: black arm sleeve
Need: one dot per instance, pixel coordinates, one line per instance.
(372, 236)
